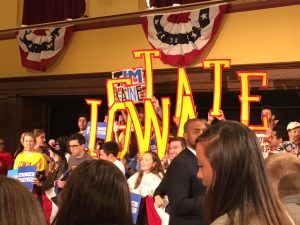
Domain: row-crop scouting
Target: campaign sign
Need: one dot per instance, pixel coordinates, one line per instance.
(101, 132)
(134, 92)
(153, 144)
(263, 140)
(135, 205)
(13, 173)
(26, 175)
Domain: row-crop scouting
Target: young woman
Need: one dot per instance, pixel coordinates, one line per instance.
(146, 181)
(40, 138)
(96, 193)
(57, 167)
(17, 204)
(29, 156)
(232, 167)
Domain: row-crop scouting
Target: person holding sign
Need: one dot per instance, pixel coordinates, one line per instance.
(30, 157)
(146, 181)
(96, 193)
(232, 168)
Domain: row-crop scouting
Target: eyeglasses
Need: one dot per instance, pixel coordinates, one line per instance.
(73, 146)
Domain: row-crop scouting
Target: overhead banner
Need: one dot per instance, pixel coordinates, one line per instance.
(182, 37)
(39, 48)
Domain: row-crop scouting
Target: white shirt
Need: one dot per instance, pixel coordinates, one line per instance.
(149, 183)
(192, 150)
(120, 166)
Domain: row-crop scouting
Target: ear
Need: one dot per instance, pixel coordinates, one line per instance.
(185, 136)
(276, 121)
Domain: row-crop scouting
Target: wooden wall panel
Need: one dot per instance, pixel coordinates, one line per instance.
(281, 77)
(9, 122)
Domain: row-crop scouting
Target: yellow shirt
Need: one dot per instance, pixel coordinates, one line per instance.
(34, 159)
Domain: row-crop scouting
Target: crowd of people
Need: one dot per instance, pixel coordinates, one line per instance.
(215, 174)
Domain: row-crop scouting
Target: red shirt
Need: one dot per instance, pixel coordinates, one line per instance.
(6, 162)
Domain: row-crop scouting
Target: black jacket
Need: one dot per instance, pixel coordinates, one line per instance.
(184, 190)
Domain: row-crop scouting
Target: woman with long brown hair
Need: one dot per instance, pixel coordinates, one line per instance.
(17, 204)
(95, 193)
(146, 181)
(232, 168)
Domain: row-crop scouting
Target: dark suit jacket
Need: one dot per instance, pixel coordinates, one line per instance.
(184, 190)
(161, 189)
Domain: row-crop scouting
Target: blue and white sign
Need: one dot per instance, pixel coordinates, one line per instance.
(13, 173)
(135, 206)
(24, 174)
(101, 131)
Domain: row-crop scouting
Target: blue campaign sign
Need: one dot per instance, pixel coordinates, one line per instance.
(26, 175)
(13, 173)
(101, 131)
(153, 144)
(135, 205)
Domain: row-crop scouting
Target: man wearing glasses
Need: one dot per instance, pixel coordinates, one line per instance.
(78, 154)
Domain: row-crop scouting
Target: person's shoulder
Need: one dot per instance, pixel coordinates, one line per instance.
(87, 156)
(21, 154)
(134, 176)
(220, 220)
(37, 155)
(71, 159)
(6, 154)
(118, 162)
(182, 156)
(179, 163)
(120, 165)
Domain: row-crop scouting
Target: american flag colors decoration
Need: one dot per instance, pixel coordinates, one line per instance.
(181, 37)
(41, 47)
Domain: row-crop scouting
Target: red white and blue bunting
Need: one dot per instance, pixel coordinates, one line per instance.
(41, 47)
(181, 37)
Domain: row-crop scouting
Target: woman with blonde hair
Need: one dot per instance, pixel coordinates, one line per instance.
(30, 157)
(17, 204)
(231, 166)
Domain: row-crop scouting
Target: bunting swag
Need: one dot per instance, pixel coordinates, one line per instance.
(39, 48)
(182, 37)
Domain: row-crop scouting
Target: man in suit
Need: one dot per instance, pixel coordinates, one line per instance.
(176, 145)
(183, 187)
